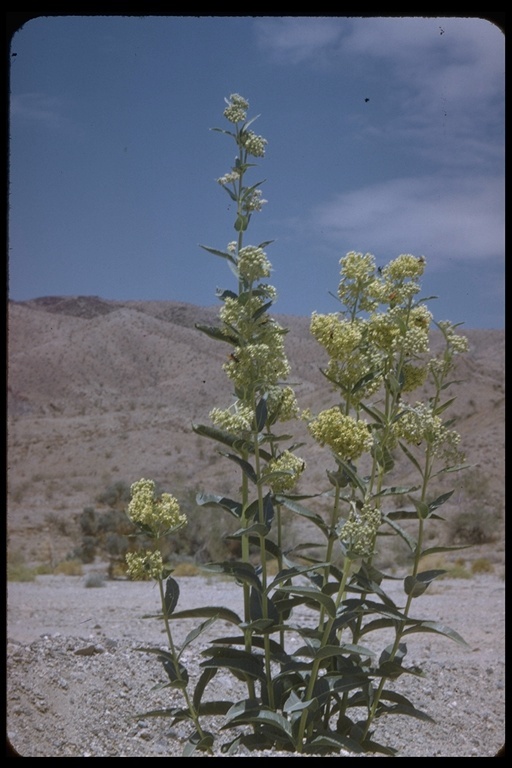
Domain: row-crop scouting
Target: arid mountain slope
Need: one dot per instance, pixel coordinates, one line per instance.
(101, 391)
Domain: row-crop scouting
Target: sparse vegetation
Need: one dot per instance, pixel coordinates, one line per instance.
(72, 567)
(482, 565)
(94, 580)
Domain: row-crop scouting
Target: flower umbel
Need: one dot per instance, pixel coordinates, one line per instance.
(348, 438)
(147, 565)
(157, 516)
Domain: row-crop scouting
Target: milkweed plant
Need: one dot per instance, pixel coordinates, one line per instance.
(311, 673)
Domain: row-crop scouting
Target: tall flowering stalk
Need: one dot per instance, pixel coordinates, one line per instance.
(378, 346)
(305, 680)
(257, 367)
(157, 517)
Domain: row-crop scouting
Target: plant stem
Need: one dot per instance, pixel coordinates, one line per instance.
(190, 705)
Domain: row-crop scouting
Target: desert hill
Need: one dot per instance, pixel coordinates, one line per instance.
(101, 391)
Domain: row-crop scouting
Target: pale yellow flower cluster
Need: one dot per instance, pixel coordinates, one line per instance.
(229, 178)
(290, 466)
(258, 365)
(419, 424)
(456, 344)
(282, 401)
(413, 376)
(356, 266)
(156, 515)
(359, 532)
(357, 275)
(339, 337)
(253, 144)
(253, 264)
(236, 314)
(348, 438)
(238, 418)
(147, 565)
(404, 266)
(236, 111)
(254, 201)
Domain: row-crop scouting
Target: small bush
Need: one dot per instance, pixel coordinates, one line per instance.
(94, 580)
(69, 568)
(473, 526)
(482, 565)
(17, 570)
(186, 569)
(20, 573)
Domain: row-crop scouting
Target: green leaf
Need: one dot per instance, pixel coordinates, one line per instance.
(354, 478)
(416, 586)
(241, 223)
(257, 607)
(433, 550)
(375, 413)
(410, 457)
(198, 742)
(222, 254)
(328, 651)
(172, 593)
(203, 681)
(439, 501)
(334, 742)
(261, 310)
(299, 509)
(422, 507)
(289, 573)
(225, 294)
(176, 672)
(242, 572)
(211, 500)
(197, 631)
(444, 406)
(312, 596)
(261, 414)
(246, 468)
(217, 611)
(402, 706)
(226, 438)
(222, 130)
(438, 628)
(258, 715)
(243, 664)
(256, 528)
(217, 333)
(408, 514)
(409, 540)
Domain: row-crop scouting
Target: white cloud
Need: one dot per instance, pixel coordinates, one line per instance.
(439, 219)
(297, 39)
(37, 107)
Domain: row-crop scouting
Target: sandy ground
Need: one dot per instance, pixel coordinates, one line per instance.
(75, 680)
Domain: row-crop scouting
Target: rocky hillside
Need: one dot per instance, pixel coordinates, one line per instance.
(104, 391)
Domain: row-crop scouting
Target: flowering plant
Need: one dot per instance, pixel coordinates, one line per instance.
(327, 692)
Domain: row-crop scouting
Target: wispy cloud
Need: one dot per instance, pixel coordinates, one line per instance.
(37, 107)
(439, 69)
(419, 215)
(298, 39)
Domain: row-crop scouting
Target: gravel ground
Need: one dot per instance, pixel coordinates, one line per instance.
(75, 680)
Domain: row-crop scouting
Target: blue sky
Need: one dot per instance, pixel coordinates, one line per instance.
(385, 135)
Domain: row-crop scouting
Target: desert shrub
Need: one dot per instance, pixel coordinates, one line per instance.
(70, 567)
(116, 495)
(472, 526)
(17, 569)
(482, 565)
(94, 579)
